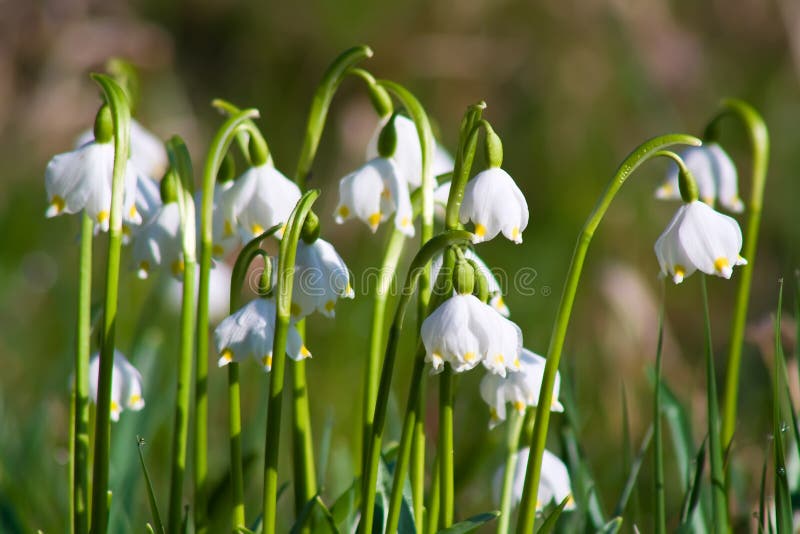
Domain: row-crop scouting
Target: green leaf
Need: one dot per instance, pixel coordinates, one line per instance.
(151, 497)
(783, 502)
(583, 481)
(345, 509)
(304, 515)
(692, 497)
(633, 474)
(244, 530)
(612, 527)
(552, 518)
(471, 524)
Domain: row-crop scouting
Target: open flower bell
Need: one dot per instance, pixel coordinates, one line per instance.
(261, 198)
(494, 203)
(250, 331)
(320, 279)
(158, 243)
(147, 150)
(554, 482)
(520, 388)
(126, 385)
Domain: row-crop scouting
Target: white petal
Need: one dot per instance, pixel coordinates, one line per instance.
(494, 203)
(274, 197)
(448, 336)
(726, 178)
(712, 241)
(408, 155)
(360, 193)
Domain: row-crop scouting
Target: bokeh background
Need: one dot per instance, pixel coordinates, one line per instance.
(571, 87)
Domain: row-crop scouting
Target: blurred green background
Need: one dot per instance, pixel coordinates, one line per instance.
(571, 87)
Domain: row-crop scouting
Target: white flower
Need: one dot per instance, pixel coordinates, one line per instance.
(554, 483)
(495, 204)
(261, 198)
(147, 150)
(320, 278)
(495, 292)
(158, 243)
(219, 292)
(464, 332)
(699, 238)
(224, 237)
(715, 174)
(81, 180)
(148, 197)
(372, 193)
(250, 331)
(520, 388)
(126, 384)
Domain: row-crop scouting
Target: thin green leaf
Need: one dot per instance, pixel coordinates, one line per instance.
(324, 448)
(583, 481)
(692, 496)
(326, 513)
(471, 524)
(783, 502)
(612, 527)
(304, 515)
(151, 497)
(633, 473)
(345, 509)
(762, 497)
(552, 518)
(244, 530)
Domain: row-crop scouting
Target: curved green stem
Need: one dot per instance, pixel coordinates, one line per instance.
(641, 154)
(759, 145)
(283, 296)
(219, 147)
(513, 431)
(465, 153)
(102, 439)
(369, 477)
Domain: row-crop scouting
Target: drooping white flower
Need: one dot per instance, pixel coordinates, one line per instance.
(495, 291)
(81, 180)
(261, 198)
(320, 278)
(126, 384)
(250, 332)
(715, 174)
(147, 150)
(219, 292)
(554, 482)
(158, 243)
(520, 388)
(699, 238)
(494, 203)
(224, 235)
(372, 193)
(463, 331)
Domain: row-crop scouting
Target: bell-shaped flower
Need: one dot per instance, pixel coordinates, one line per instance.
(147, 150)
(224, 236)
(81, 180)
(158, 243)
(715, 174)
(372, 193)
(495, 291)
(219, 292)
(261, 198)
(554, 482)
(148, 197)
(699, 238)
(250, 332)
(494, 203)
(320, 278)
(126, 385)
(463, 331)
(520, 388)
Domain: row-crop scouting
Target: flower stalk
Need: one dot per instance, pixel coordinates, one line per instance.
(513, 431)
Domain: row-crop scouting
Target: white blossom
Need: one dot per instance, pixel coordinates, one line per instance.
(147, 150)
(554, 482)
(158, 243)
(320, 278)
(126, 385)
(261, 198)
(494, 203)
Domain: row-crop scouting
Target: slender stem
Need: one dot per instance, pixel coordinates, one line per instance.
(235, 445)
(661, 515)
(283, 292)
(71, 473)
(80, 471)
(718, 495)
(641, 154)
(446, 398)
(305, 476)
(219, 147)
(432, 519)
(513, 431)
(418, 463)
(759, 146)
(102, 438)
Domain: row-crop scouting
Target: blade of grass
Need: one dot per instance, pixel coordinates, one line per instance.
(633, 473)
(151, 497)
(660, 514)
(692, 497)
(471, 524)
(783, 503)
(552, 518)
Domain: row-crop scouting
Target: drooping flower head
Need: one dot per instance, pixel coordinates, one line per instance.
(494, 203)
(320, 279)
(261, 198)
(126, 385)
(158, 243)
(554, 482)
(147, 150)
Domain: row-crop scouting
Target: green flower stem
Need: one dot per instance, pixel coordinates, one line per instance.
(446, 399)
(80, 442)
(369, 477)
(513, 431)
(759, 146)
(319, 107)
(219, 147)
(305, 476)
(102, 439)
(418, 463)
(641, 154)
(661, 514)
(283, 293)
(719, 498)
(181, 163)
(465, 153)
(432, 517)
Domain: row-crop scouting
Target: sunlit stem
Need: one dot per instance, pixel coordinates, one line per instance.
(102, 439)
(759, 146)
(641, 154)
(661, 514)
(513, 431)
(305, 475)
(283, 297)
(446, 399)
(219, 147)
(432, 511)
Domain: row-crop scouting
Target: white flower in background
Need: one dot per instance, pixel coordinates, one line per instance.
(715, 174)
(699, 238)
(148, 197)
(126, 385)
(320, 278)
(372, 193)
(219, 292)
(147, 150)
(495, 292)
(442, 161)
(464, 332)
(250, 331)
(261, 198)
(554, 483)
(224, 236)
(81, 180)
(521, 388)
(440, 196)
(158, 243)
(494, 203)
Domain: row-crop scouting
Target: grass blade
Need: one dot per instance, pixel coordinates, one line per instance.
(471, 524)
(552, 518)
(612, 527)
(692, 497)
(159, 526)
(633, 473)
(783, 503)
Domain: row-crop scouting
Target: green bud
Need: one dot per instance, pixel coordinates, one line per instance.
(265, 279)
(103, 125)
(259, 153)
(380, 99)
(387, 141)
(687, 184)
(311, 228)
(227, 169)
(169, 187)
(464, 277)
(494, 147)
(481, 283)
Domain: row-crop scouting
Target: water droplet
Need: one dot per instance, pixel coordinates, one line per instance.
(784, 426)
(782, 471)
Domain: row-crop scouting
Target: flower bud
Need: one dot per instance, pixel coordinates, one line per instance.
(387, 141)
(494, 147)
(169, 187)
(464, 277)
(481, 283)
(265, 280)
(311, 228)
(687, 185)
(103, 125)
(259, 153)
